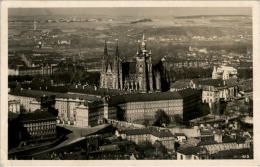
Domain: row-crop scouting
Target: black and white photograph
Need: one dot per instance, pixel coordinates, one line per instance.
(130, 83)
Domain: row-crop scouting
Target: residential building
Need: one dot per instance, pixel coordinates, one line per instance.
(82, 118)
(180, 137)
(67, 108)
(148, 135)
(66, 104)
(224, 73)
(44, 69)
(93, 114)
(39, 125)
(34, 105)
(215, 89)
(212, 89)
(14, 106)
(192, 153)
(23, 99)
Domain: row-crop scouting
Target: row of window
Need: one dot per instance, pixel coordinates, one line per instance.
(40, 133)
(41, 127)
(153, 110)
(40, 123)
(154, 104)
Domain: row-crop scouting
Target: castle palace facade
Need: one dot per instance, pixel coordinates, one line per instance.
(139, 74)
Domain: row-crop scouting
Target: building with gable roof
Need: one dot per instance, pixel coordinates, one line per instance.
(148, 135)
(224, 73)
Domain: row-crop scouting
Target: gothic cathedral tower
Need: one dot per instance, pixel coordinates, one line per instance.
(111, 71)
(103, 67)
(144, 68)
(117, 70)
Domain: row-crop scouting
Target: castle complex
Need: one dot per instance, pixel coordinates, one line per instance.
(139, 74)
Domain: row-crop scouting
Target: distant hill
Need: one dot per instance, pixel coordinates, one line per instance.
(208, 16)
(141, 21)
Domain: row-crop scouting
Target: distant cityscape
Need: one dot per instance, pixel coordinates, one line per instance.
(121, 87)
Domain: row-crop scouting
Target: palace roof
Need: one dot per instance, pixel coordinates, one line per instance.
(39, 93)
(35, 116)
(140, 97)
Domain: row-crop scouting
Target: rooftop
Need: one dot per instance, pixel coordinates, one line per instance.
(190, 150)
(179, 134)
(139, 97)
(209, 82)
(152, 131)
(92, 91)
(110, 147)
(181, 84)
(216, 82)
(37, 115)
(39, 93)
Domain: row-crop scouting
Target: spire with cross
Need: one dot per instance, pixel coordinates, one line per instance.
(143, 45)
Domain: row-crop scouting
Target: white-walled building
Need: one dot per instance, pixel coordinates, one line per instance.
(34, 105)
(82, 117)
(67, 108)
(66, 104)
(224, 73)
(24, 100)
(14, 106)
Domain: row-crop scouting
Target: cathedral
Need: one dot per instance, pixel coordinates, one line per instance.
(138, 74)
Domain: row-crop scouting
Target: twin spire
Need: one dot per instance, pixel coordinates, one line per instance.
(117, 50)
(106, 50)
(140, 48)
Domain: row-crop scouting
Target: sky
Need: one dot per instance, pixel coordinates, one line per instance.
(174, 11)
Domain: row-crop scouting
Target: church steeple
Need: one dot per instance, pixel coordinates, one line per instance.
(104, 58)
(143, 45)
(116, 58)
(138, 50)
(117, 50)
(105, 49)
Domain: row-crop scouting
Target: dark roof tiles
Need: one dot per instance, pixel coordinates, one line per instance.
(147, 131)
(190, 150)
(39, 93)
(37, 115)
(180, 84)
(139, 97)
(209, 82)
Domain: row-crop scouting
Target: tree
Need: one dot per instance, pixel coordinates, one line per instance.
(177, 119)
(22, 109)
(161, 118)
(176, 146)
(160, 150)
(223, 107)
(146, 122)
(120, 114)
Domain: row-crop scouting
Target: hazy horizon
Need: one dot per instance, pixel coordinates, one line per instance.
(133, 11)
